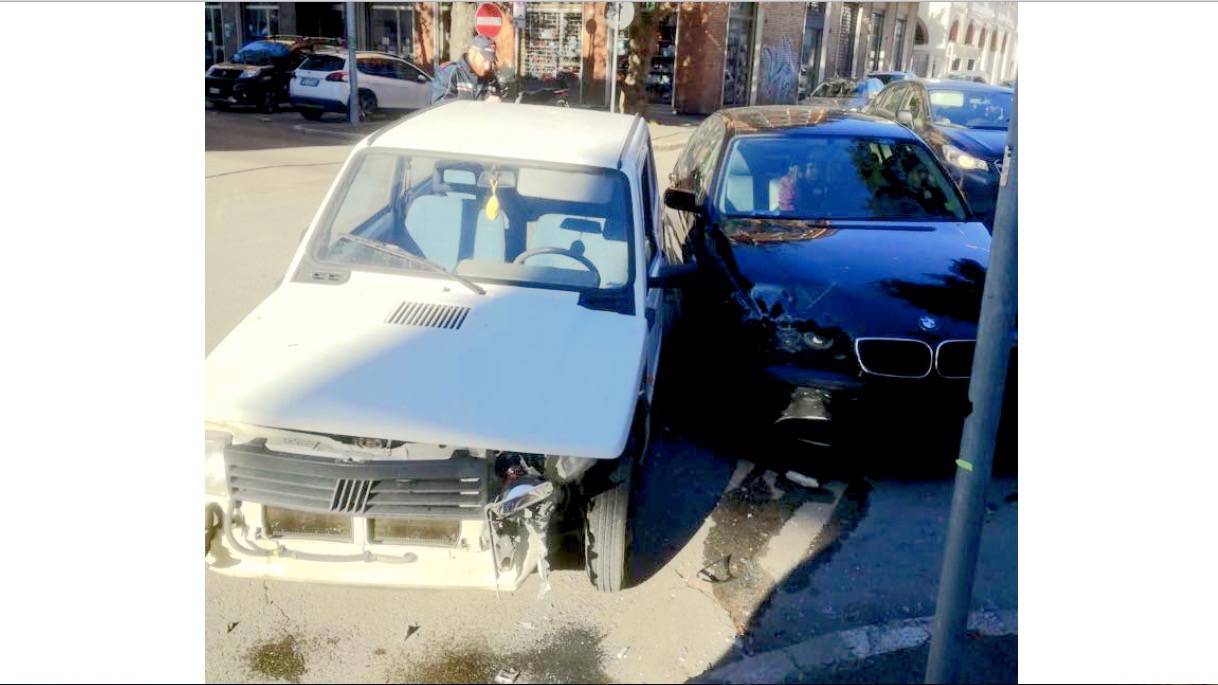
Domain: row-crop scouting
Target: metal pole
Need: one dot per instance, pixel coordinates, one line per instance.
(613, 64)
(995, 335)
(353, 69)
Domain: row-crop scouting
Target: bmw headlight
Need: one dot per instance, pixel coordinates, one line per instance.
(250, 74)
(793, 341)
(214, 443)
(959, 158)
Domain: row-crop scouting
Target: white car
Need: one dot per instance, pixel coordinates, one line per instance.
(461, 355)
(386, 82)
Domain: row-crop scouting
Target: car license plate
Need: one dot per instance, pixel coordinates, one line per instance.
(213, 90)
(308, 81)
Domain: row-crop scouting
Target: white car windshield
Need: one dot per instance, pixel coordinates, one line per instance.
(506, 221)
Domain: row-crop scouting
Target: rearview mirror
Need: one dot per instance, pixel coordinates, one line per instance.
(682, 200)
(672, 276)
(905, 117)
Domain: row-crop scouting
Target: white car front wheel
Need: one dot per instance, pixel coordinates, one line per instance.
(607, 531)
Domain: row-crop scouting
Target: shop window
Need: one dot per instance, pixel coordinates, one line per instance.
(260, 21)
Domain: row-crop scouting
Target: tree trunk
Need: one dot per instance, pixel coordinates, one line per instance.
(641, 47)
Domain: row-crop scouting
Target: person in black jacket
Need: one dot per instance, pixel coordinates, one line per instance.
(472, 77)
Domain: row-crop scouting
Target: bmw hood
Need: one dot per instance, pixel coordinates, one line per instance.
(864, 278)
(979, 142)
(423, 360)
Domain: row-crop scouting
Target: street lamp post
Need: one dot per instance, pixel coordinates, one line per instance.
(995, 336)
(352, 68)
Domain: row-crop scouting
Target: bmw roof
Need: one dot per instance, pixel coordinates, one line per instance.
(969, 86)
(810, 119)
(499, 129)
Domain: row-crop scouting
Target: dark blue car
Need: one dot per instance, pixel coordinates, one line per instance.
(837, 276)
(965, 123)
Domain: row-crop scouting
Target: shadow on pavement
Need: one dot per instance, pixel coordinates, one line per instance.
(249, 129)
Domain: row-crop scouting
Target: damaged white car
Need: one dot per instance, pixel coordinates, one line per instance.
(457, 368)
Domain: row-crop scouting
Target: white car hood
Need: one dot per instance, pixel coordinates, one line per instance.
(528, 370)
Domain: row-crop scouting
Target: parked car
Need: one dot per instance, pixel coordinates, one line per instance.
(974, 76)
(844, 93)
(965, 123)
(459, 359)
(838, 273)
(887, 77)
(386, 82)
(258, 74)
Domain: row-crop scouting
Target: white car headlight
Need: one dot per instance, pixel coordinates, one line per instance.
(214, 443)
(962, 159)
(250, 74)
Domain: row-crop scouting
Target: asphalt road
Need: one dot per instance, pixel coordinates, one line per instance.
(784, 561)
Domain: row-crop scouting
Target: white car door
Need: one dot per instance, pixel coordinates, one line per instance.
(655, 299)
(373, 70)
(415, 85)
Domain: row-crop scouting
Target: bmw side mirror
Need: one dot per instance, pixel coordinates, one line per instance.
(905, 117)
(682, 200)
(672, 276)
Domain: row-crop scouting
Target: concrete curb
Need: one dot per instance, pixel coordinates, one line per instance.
(855, 644)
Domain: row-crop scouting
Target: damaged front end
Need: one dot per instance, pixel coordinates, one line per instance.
(335, 509)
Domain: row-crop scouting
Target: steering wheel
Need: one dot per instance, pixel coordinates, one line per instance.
(583, 261)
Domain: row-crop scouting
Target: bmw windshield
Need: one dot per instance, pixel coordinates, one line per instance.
(502, 221)
(987, 109)
(835, 177)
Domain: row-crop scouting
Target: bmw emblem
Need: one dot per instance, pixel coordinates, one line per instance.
(928, 323)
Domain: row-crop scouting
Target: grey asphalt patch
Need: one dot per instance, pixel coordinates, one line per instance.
(850, 645)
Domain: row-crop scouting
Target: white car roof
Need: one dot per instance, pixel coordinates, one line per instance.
(500, 129)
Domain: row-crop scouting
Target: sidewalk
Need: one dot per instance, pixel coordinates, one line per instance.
(893, 652)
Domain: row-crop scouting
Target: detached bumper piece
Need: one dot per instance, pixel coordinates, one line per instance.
(455, 488)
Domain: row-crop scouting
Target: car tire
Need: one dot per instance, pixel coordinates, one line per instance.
(311, 114)
(367, 104)
(607, 531)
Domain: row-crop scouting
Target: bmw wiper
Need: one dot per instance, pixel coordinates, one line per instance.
(396, 251)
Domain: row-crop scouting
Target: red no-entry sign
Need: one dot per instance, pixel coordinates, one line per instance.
(488, 20)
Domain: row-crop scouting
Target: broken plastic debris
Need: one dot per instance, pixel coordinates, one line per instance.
(800, 479)
(410, 630)
(708, 574)
(624, 651)
(232, 626)
(507, 676)
(966, 465)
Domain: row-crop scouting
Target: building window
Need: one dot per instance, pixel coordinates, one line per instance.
(809, 64)
(994, 41)
(259, 21)
(898, 46)
(739, 57)
(954, 34)
(981, 43)
(391, 28)
(877, 39)
(845, 39)
(1004, 42)
(553, 40)
(956, 64)
(968, 36)
(971, 62)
